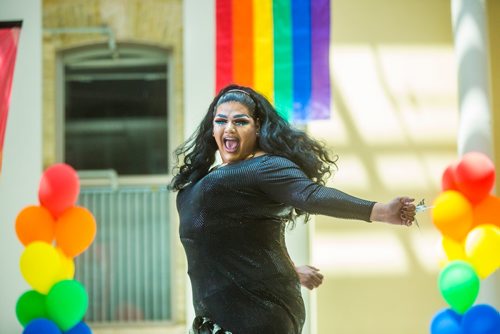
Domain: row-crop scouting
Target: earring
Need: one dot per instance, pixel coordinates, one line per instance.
(257, 133)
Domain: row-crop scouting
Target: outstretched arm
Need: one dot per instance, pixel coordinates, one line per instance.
(284, 182)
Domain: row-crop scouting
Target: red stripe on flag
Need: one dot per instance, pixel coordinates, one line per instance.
(224, 44)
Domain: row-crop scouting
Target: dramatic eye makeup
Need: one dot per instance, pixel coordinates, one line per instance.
(239, 120)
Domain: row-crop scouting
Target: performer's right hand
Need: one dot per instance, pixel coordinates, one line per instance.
(309, 276)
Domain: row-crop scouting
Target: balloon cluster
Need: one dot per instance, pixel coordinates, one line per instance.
(54, 233)
(469, 219)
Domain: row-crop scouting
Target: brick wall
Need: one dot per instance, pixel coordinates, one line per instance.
(152, 22)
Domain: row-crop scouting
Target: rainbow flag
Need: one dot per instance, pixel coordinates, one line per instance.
(281, 49)
(9, 36)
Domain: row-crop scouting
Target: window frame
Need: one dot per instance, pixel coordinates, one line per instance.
(102, 178)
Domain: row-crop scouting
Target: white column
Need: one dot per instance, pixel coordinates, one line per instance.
(22, 163)
(299, 244)
(474, 133)
(199, 78)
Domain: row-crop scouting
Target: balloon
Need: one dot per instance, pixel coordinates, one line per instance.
(59, 188)
(41, 326)
(454, 250)
(67, 303)
(31, 305)
(452, 215)
(40, 264)
(67, 270)
(35, 223)
(75, 231)
(482, 247)
(448, 178)
(446, 322)
(475, 176)
(481, 319)
(459, 285)
(81, 328)
(487, 211)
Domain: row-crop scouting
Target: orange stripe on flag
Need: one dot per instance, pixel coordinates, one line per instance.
(243, 62)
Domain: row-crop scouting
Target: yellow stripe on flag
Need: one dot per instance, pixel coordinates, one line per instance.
(263, 47)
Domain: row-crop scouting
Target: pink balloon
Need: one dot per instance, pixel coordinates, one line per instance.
(59, 188)
(475, 176)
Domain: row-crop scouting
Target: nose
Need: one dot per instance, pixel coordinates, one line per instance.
(229, 127)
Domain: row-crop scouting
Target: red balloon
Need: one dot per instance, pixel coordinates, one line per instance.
(475, 176)
(59, 188)
(448, 179)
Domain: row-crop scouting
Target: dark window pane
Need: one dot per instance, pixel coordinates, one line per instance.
(117, 119)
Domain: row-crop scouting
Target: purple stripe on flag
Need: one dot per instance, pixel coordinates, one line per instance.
(320, 59)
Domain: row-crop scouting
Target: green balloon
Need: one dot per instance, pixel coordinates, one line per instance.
(30, 305)
(67, 303)
(459, 285)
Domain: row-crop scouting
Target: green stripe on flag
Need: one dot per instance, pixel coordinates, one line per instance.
(283, 58)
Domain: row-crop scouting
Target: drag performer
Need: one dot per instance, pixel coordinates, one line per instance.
(233, 216)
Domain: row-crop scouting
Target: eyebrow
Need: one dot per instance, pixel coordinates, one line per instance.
(235, 116)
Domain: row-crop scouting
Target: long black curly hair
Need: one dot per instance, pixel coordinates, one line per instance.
(276, 137)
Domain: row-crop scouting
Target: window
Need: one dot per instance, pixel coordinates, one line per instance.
(115, 112)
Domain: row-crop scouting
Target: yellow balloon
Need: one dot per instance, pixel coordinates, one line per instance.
(67, 269)
(453, 249)
(482, 247)
(40, 264)
(452, 215)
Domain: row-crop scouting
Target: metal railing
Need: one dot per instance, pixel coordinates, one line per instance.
(127, 269)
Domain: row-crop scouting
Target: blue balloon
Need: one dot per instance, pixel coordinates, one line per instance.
(446, 321)
(481, 319)
(41, 326)
(80, 328)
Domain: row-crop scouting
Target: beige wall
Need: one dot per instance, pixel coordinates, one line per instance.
(394, 127)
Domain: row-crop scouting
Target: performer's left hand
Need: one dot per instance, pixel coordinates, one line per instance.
(399, 211)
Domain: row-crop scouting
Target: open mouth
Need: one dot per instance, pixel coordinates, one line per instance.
(231, 144)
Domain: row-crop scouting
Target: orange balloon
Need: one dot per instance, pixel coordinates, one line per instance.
(452, 215)
(487, 211)
(35, 223)
(75, 231)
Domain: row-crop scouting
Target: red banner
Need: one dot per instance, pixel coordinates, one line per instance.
(9, 36)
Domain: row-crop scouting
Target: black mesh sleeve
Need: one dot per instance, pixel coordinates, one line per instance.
(284, 182)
